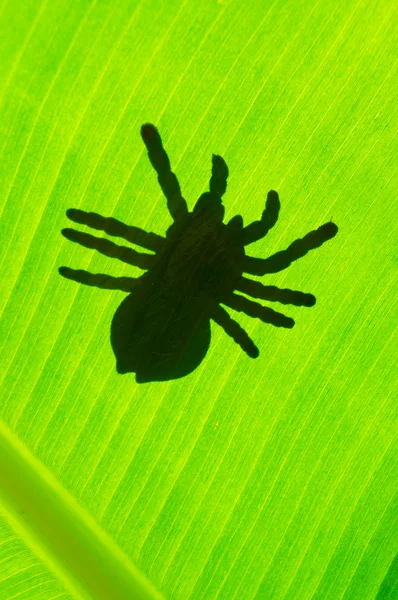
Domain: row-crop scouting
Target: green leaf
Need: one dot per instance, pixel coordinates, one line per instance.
(265, 478)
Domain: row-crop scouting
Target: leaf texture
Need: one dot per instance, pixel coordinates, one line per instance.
(262, 478)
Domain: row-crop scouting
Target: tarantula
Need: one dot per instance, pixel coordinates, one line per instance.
(161, 330)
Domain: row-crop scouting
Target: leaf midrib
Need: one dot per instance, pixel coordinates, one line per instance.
(59, 531)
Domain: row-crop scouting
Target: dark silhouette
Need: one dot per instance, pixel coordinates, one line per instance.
(161, 330)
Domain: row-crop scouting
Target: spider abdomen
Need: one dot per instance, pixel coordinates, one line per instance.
(152, 332)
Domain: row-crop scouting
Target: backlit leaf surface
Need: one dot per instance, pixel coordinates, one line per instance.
(268, 478)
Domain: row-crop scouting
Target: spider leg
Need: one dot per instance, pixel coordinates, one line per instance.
(235, 331)
(167, 180)
(235, 224)
(273, 293)
(234, 227)
(99, 280)
(254, 309)
(210, 203)
(259, 229)
(283, 259)
(127, 255)
(219, 176)
(111, 226)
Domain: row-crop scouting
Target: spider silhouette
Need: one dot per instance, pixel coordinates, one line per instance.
(161, 330)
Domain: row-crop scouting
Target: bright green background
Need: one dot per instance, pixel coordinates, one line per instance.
(269, 478)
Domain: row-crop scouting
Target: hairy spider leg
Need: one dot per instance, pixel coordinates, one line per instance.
(299, 248)
(235, 224)
(235, 331)
(256, 289)
(99, 280)
(209, 205)
(256, 310)
(123, 253)
(219, 176)
(167, 180)
(259, 229)
(111, 226)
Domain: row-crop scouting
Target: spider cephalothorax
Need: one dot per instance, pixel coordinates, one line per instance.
(161, 330)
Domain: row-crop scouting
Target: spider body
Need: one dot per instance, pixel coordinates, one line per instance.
(204, 256)
(202, 253)
(161, 330)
